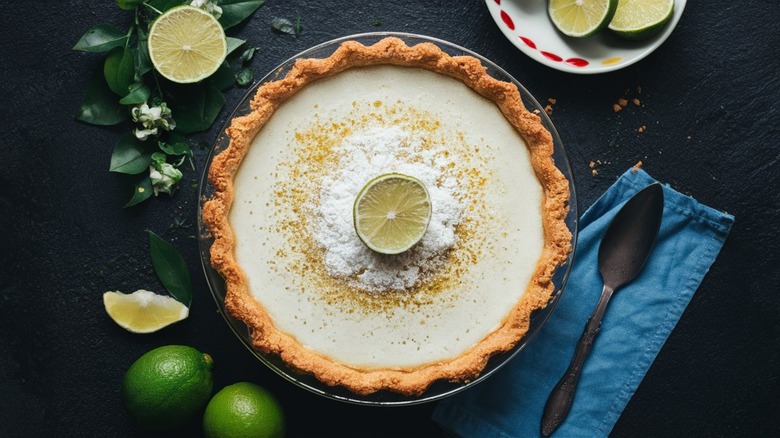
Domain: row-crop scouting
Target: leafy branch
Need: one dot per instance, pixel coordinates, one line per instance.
(162, 114)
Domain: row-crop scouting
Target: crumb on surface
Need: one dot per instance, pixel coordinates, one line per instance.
(616, 107)
(622, 102)
(636, 101)
(637, 166)
(548, 109)
(552, 100)
(642, 129)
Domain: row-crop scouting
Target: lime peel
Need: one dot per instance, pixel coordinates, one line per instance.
(641, 19)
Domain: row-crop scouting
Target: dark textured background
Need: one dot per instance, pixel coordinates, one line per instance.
(710, 102)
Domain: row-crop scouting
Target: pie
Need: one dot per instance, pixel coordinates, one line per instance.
(281, 217)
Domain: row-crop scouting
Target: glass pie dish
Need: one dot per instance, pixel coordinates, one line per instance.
(439, 388)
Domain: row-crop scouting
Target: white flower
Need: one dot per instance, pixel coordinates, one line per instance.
(164, 175)
(208, 6)
(152, 118)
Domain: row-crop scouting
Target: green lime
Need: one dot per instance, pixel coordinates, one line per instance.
(641, 19)
(243, 410)
(391, 213)
(187, 44)
(167, 386)
(581, 18)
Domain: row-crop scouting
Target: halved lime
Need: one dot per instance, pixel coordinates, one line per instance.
(143, 311)
(187, 44)
(641, 19)
(391, 213)
(581, 18)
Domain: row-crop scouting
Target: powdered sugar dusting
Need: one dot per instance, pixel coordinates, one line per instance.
(363, 156)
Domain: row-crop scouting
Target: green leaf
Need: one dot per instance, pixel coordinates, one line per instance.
(236, 11)
(139, 93)
(171, 269)
(233, 44)
(247, 55)
(143, 63)
(101, 38)
(224, 77)
(130, 156)
(244, 77)
(283, 25)
(196, 106)
(119, 70)
(181, 148)
(164, 5)
(129, 5)
(100, 105)
(142, 190)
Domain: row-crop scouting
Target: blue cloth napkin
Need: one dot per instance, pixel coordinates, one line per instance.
(638, 320)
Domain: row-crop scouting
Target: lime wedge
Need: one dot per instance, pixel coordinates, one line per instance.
(391, 213)
(143, 311)
(187, 44)
(641, 19)
(581, 18)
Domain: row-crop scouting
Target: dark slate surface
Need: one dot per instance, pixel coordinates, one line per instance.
(710, 104)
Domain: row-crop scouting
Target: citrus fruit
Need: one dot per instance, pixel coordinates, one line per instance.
(167, 386)
(391, 213)
(641, 19)
(143, 311)
(581, 18)
(186, 44)
(243, 410)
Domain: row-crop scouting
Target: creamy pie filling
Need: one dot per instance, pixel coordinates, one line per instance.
(506, 229)
(458, 304)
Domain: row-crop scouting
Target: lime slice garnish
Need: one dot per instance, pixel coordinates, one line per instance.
(391, 213)
(581, 18)
(641, 19)
(143, 311)
(187, 44)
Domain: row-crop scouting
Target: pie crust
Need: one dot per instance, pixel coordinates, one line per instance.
(413, 381)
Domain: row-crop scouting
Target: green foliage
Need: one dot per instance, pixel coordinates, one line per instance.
(130, 156)
(119, 70)
(128, 79)
(236, 11)
(100, 106)
(171, 269)
(101, 38)
(196, 106)
(142, 190)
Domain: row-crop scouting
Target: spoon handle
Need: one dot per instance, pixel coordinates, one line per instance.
(560, 399)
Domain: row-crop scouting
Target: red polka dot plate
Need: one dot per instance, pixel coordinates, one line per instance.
(526, 24)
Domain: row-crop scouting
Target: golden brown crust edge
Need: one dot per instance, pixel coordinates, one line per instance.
(239, 301)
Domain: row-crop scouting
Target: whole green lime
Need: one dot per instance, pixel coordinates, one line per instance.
(167, 386)
(243, 410)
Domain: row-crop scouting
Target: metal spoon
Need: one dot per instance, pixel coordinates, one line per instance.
(624, 249)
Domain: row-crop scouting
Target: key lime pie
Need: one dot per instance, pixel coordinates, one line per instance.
(283, 217)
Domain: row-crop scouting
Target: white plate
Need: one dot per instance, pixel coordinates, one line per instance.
(526, 24)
